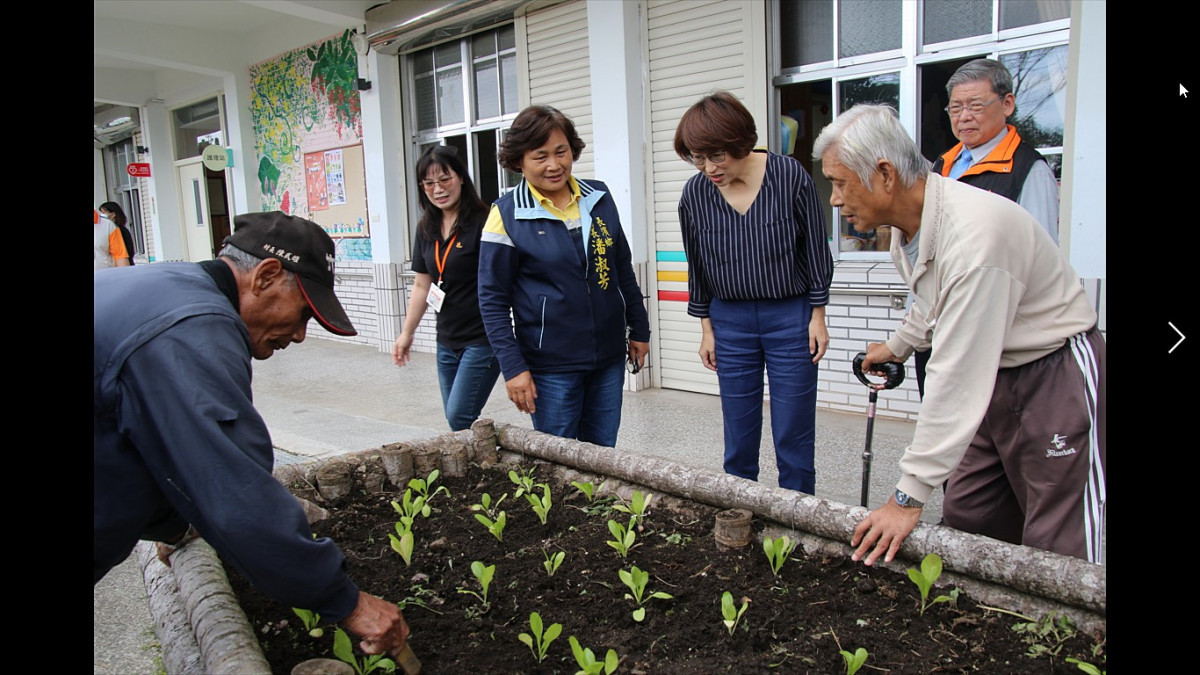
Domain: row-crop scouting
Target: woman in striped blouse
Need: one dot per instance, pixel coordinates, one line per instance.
(759, 270)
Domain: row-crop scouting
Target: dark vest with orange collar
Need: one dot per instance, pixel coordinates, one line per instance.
(1003, 171)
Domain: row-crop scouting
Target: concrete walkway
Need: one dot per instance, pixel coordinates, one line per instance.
(324, 398)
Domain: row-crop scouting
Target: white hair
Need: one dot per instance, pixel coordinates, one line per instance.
(865, 134)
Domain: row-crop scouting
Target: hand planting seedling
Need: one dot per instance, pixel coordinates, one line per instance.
(484, 575)
(587, 660)
(732, 614)
(587, 489)
(541, 505)
(624, 537)
(523, 481)
(778, 551)
(636, 580)
(854, 661)
(931, 569)
(553, 561)
(311, 620)
(639, 505)
(538, 638)
(345, 652)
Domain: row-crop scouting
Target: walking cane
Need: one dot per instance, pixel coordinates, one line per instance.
(894, 376)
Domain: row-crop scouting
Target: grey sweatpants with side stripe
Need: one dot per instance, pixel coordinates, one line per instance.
(1034, 473)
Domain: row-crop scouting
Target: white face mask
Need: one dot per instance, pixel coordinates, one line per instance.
(106, 216)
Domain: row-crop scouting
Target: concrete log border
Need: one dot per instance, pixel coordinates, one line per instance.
(1014, 578)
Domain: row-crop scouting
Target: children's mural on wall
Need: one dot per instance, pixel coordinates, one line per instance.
(305, 107)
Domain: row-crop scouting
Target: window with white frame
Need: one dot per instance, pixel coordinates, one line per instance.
(833, 54)
(464, 95)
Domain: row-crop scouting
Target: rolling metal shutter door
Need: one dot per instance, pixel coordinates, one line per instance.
(559, 74)
(695, 48)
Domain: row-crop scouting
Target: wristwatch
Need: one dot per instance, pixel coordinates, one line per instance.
(907, 502)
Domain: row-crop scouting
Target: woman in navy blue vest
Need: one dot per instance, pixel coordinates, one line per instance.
(446, 263)
(555, 256)
(759, 271)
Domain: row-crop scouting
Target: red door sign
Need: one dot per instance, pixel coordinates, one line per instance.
(138, 169)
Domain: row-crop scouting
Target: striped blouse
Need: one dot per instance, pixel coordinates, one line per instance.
(777, 250)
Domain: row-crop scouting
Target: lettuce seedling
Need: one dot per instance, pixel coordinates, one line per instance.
(484, 575)
(854, 661)
(487, 506)
(424, 487)
(624, 537)
(778, 551)
(496, 527)
(345, 652)
(523, 481)
(636, 580)
(639, 505)
(732, 614)
(541, 505)
(553, 561)
(587, 660)
(931, 569)
(403, 542)
(1087, 667)
(538, 638)
(587, 489)
(311, 620)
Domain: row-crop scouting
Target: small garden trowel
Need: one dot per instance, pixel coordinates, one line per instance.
(406, 660)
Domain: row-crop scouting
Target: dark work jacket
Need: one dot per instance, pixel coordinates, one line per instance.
(1003, 171)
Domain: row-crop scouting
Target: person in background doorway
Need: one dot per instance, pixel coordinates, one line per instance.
(759, 271)
(108, 244)
(116, 214)
(991, 155)
(446, 263)
(555, 255)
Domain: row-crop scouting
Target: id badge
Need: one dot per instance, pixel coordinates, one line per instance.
(436, 297)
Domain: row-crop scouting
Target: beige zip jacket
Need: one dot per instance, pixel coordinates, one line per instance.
(993, 291)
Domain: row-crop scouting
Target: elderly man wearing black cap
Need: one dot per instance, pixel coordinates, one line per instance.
(179, 449)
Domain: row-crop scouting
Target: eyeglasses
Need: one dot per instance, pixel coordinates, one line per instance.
(632, 366)
(444, 181)
(698, 159)
(974, 108)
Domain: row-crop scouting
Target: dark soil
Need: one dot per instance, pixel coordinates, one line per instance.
(796, 623)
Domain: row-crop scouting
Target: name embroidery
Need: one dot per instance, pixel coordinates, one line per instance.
(601, 242)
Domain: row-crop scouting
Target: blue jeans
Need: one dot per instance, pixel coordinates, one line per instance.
(748, 335)
(585, 405)
(466, 376)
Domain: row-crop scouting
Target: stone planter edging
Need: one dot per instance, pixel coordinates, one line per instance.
(1011, 577)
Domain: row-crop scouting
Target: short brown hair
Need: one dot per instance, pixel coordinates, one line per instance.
(718, 122)
(530, 131)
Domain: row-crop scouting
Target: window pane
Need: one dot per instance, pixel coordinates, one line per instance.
(956, 19)
(450, 96)
(868, 26)
(806, 32)
(487, 89)
(508, 82)
(1014, 13)
(883, 88)
(423, 62)
(508, 37)
(1040, 84)
(426, 102)
(448, 54)
(483, 44)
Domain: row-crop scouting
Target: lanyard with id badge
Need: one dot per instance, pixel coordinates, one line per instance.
(436, 295)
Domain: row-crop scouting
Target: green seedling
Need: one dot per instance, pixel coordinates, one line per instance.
(345, 652)
(402, 541)
(587, 489)
(496, 527)
(539, 642)
(541, 505)
(587, 660)
(1047, 635)
(854, 661)
(484, 575)
(931, 569)
(1087, 667)
(311, 620)
(487, 506)
(733, 615)
(639, 505)
(624, 537)
(553, 561)
(425, 489)
(636, 580)
(778, 551)
(523, 481)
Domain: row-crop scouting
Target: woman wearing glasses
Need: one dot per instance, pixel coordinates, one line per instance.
(446, 263)
(554, 254)
(759, 271)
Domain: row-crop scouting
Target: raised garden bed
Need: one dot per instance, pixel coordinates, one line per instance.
(799, 621)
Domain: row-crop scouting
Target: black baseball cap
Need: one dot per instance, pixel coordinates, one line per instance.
(305, 249)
